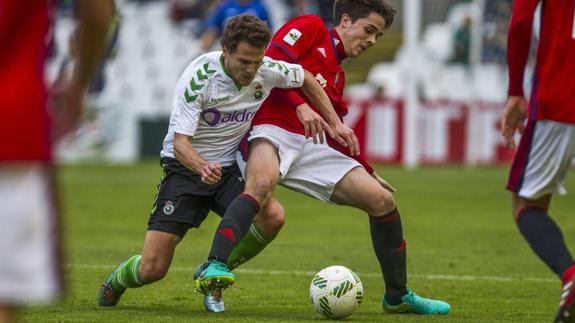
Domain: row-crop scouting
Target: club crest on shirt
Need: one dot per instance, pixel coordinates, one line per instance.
(292, 36)
(321, 50)
(168, 208)
(259, 92)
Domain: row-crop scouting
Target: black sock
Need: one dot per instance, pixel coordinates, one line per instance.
(389, 246)
(545, 238)
(233, 226)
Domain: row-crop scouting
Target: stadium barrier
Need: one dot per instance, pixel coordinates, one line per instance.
(450, 132)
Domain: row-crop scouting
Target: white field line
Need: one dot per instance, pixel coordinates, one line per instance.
(361, 274)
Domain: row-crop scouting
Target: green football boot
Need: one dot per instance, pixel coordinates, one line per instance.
(214, 300)
(412, 303)
(215, 276)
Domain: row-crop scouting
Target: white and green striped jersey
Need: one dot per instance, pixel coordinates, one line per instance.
(210, 107)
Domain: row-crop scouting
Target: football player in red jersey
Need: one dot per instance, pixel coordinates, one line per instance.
(281, 150)
(31, 268)
(547, 145)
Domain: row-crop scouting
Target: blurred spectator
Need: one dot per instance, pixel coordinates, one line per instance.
(190, 9)
(322, 8)
(218, 18)
(98, 81)
(496, 26)
(326, 11)
(462, 43)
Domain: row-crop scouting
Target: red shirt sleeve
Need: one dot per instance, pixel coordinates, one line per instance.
(518, 43)
(294, 97)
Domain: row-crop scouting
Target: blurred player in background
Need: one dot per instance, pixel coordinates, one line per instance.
(547, 146)
(280, 150)
(215, 101)
(217, 19)
(29, 238)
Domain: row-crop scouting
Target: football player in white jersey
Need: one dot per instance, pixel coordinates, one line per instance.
(214, 102)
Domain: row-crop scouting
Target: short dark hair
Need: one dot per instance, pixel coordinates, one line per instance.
(247, 28)
(357, 9)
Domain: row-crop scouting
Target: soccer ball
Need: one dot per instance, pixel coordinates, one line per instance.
(336, 292)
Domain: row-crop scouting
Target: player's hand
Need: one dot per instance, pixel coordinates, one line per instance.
(211, 173)
(513, 119)
(314, 125)
(346, 137)
(66, 103)
(384, 183)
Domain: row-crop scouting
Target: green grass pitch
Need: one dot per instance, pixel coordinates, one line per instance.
(463, 247)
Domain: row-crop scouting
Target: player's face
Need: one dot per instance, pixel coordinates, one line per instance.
(360, 35)
(243, 64)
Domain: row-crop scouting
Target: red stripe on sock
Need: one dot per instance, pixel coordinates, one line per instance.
(388, 217)
(251, 198)
(402, 247)
(228, 233)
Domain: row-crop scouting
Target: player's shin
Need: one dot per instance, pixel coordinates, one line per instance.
(389, 247)
(250, 246)
(233, 227)
(545, 238)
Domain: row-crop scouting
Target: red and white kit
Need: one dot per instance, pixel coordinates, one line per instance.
(28, 235)
(547, 146)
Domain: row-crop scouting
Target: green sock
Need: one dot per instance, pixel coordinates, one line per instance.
(127, 275)
(251, 245)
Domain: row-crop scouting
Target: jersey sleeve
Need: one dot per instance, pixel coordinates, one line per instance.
(187, 104)
(297, 37)
(283, 75)
(518, 42)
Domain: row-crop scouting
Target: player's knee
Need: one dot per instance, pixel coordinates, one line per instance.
(381, 202)
(151, 271)
(271, 219)
(261, 189)
(277, 218)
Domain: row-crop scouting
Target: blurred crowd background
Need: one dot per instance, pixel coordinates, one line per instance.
(460, 67)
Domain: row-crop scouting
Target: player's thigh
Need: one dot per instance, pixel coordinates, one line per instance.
(29, 249)
(230, 186)
(158, 252)
(542, 160)
(317, 169)
(262, 172)
(183, 201)
(359, 189)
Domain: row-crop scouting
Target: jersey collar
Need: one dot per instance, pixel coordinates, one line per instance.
(238, 86)
(337, 45)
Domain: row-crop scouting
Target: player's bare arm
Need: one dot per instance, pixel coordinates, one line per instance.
(341, 133)
(95, 17)
(513, 119)
(210, 173)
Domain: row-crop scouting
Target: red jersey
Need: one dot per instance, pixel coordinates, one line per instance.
(553, 87)
(305, 40)
(24, 122)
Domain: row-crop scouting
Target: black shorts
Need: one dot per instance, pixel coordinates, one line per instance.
(183, 200)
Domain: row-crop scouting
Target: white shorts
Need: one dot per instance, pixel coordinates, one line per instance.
(543, 158)
(29, 255)
(312, 169)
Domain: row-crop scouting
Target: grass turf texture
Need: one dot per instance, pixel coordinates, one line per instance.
(463, 247)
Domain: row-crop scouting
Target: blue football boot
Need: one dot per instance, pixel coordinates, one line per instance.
(412, 303)
(213, 301)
